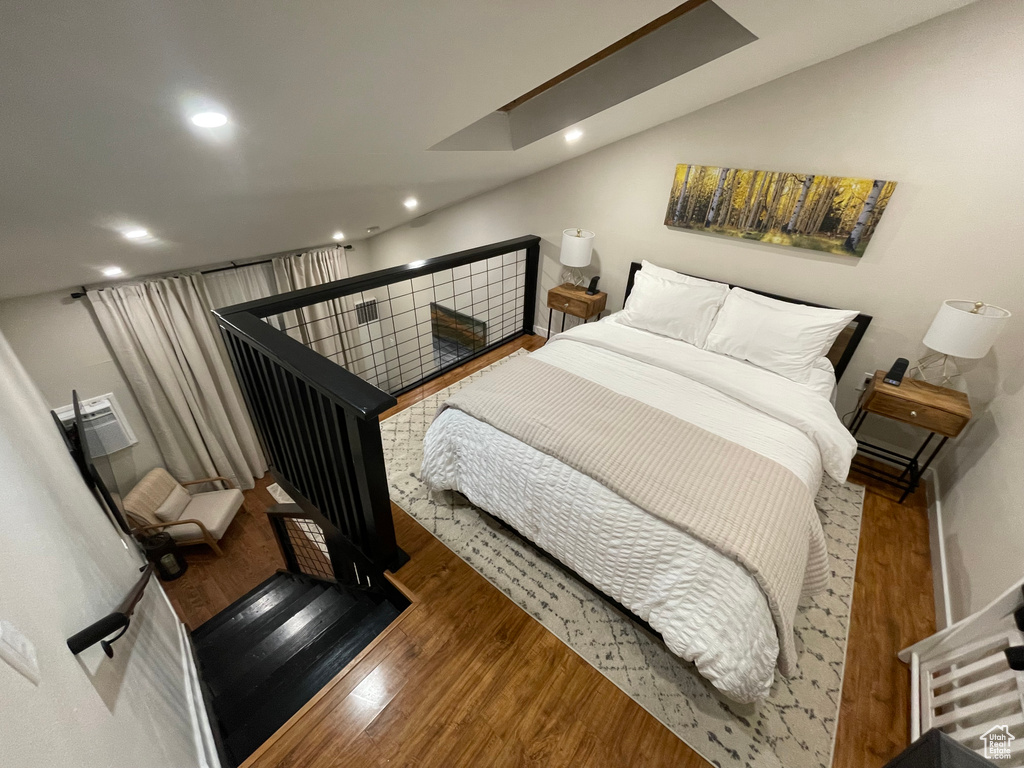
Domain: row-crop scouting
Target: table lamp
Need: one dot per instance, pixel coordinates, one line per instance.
(577, 246)
(965, 329)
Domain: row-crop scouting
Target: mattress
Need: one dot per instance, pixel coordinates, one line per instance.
(708, 608)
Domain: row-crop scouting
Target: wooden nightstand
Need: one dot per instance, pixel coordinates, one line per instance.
(942, 412)
(573, 300)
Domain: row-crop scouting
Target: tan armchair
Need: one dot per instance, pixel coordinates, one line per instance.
(158, 502)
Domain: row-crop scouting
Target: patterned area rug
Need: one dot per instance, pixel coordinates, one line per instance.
(795, 727)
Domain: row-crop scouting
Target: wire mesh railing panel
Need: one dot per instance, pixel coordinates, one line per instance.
(318, 366)
(399, 334)
(309, 546)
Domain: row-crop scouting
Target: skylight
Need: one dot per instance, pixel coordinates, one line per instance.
(681, 40)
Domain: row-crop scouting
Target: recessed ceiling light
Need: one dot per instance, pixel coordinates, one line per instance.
(411, 203)
(209, 119)
(112, 271)
(339, 235)
(137, 233)
(574, 135)
(371, 230)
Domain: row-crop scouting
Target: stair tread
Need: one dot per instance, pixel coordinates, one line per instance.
(291, 628)
(201, 632)
(264, 616)
(278, 647)
(254, 690)
(273, 649)
(220, 658)
(287, 697)
(250, 617)
(306, 655)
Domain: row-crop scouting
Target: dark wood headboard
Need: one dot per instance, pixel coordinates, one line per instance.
(842, 349)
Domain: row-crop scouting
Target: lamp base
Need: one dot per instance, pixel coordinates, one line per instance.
(937, 369)
(572, 275)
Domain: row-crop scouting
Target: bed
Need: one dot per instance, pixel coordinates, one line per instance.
(708, 605)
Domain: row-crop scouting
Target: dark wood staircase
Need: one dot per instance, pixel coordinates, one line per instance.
(273, 649)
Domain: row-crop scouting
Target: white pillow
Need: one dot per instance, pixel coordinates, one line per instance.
(173, 505)
(679, 306)
(822, 377)
(777, 335)
(677, 277)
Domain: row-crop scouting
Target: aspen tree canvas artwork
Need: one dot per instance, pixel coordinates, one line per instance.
(835, 214)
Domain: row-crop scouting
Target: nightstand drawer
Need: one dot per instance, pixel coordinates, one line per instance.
(926, 417)
(937, 410)
(943, 411)
(574, 307)
(574, 300)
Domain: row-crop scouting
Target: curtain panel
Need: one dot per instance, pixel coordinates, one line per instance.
(321, 327)
(235, 286)
(165, 341)
(332, 327)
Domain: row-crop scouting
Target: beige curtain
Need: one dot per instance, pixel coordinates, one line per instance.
(235, 286)
(321, 327)
(164, 338)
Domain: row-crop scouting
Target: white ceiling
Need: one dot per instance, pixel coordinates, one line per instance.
(333, 108)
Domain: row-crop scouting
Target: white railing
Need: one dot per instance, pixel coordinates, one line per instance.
(962, 683)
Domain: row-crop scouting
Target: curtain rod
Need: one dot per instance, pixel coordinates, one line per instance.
(230, 265)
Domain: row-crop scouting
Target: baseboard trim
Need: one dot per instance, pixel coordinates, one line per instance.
(202, 732)
(937, 541)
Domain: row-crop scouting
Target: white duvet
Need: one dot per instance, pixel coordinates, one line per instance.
(707, 608)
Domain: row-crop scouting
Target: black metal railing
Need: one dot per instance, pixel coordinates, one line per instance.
(309, 544)
(319, 365)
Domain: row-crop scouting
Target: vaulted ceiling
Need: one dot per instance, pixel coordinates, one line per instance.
(333, 107)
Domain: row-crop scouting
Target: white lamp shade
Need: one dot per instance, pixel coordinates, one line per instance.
(576, 248)
(959, 331)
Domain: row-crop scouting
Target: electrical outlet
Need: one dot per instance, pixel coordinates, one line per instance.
(868, 376)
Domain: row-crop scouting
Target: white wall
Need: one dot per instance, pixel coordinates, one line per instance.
(937, 108)
(983, 499)
(62, 567)
(59, 343)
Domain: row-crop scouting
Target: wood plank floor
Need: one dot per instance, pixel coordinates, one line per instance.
(469, 679)
(251, 556)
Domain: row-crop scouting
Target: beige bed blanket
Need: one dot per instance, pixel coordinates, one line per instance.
(744, 505)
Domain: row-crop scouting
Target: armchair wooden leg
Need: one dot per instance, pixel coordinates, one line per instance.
(213, 544)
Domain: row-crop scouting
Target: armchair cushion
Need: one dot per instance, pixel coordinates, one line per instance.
(148, 494)
(173, 505)
(215, 510)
